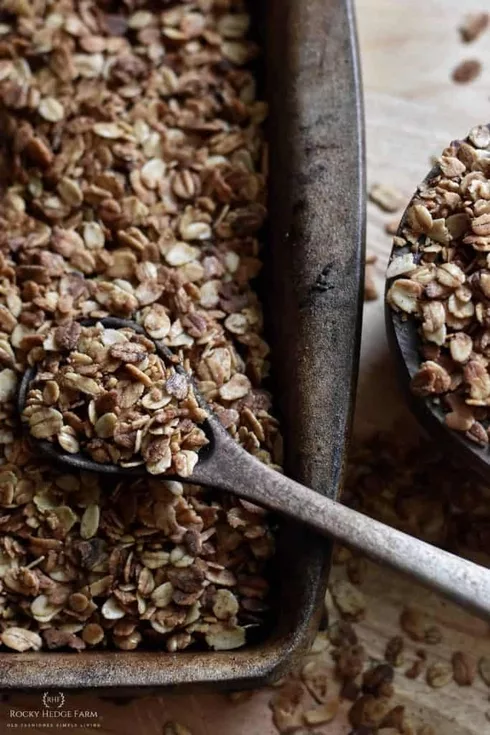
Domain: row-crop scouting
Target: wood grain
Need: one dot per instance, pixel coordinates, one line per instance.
(409, 48)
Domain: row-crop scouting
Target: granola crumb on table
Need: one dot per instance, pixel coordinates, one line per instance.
(133, 179)
(467, 71)
(411, 485)
(473, 26)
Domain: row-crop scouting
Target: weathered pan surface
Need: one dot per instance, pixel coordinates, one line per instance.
(313, 289)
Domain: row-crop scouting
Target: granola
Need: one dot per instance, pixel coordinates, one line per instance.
(116, 400)
(133, 184)
(467, 71)
(442, 279)
(386, 197)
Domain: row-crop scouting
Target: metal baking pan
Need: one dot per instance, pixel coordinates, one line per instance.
(314, 269)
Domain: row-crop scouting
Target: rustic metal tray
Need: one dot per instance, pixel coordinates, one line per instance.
(312, 282)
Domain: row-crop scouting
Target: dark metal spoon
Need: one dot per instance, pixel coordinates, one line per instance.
(404, 341)
(225, 465)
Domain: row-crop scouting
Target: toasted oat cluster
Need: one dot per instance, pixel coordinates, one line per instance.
(108, 393)
(442, 279)
(133, 184)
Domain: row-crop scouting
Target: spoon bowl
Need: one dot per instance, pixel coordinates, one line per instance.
(225, 465)
(81, 461)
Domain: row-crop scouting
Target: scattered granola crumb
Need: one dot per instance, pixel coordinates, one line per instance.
(394, 651)
(473, 26)
(368, 711)
(413, 623)
(464, 669)
(314, 675)
(391, 227)
(439, 674)
(322, 714)
(349, 600)
(378, 680)
(287, 707)
(370, 290)
(386, 197)
(467, 71)
(414, 671)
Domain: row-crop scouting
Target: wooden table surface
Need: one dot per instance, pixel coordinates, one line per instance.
(408, 48)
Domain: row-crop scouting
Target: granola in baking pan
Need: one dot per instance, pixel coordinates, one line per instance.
(133, 175)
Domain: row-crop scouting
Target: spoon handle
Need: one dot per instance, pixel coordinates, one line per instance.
(458, 579)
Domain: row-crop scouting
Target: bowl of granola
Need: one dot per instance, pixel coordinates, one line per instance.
(148, 172)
